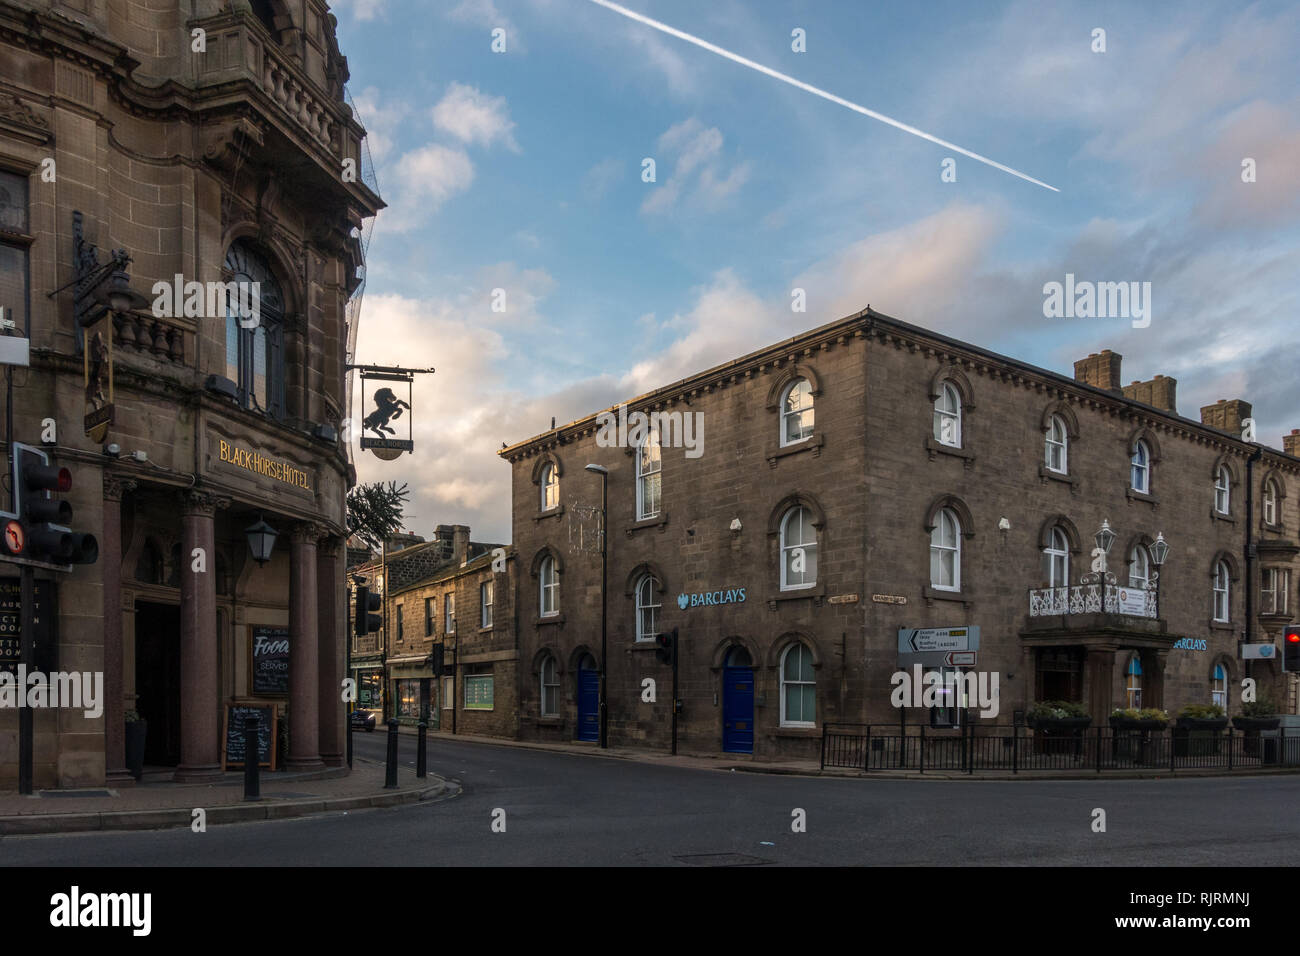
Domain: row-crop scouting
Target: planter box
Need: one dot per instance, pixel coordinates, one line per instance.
(1061, 725)
(1250, 724)
(1216, 724)
(1130, 723)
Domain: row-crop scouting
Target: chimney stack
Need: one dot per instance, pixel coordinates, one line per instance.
(460, 543)
(1160, 392)
(1100, 370)
(1226, 415)
(1291, 443)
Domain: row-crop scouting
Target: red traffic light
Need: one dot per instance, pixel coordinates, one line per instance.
(1293, 637)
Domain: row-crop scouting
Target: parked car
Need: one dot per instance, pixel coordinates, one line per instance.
(363, 719)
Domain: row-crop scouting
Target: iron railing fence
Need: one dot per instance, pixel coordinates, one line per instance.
(1015, 749)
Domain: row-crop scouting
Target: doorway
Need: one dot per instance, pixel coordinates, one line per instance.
(158, 680)
(588, 699)
(738, 702)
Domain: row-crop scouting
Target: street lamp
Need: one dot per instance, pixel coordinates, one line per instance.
(1105, 537)
(604, 600)
(261, 540)
(1159, 552)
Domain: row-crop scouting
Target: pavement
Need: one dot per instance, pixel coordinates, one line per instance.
(159, 803)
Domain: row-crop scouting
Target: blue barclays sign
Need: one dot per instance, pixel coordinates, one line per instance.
(1187, 644)
(700, 598)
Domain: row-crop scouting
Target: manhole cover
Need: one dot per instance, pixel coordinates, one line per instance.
(77, 793)
(721, 859)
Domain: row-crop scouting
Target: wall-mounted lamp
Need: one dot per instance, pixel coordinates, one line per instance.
(261, 540)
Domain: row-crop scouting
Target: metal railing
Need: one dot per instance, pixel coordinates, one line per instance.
(867, 748)
(1092, 599)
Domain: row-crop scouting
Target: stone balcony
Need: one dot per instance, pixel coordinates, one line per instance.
(1092, 599)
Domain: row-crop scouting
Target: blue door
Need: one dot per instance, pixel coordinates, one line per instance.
(588, 704)
(738, 710)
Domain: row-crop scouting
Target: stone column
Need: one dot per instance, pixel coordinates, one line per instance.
(116, 774)
(200, 694)
(1101, 672)
(304, 650)
(331, 595)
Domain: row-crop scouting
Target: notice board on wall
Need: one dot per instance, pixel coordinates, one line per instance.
(268, 656)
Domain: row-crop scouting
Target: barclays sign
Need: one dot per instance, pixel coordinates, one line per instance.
(700, 598)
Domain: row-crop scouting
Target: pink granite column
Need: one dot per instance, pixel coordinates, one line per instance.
(333, 630)
(200, 695)
(304, 650)
(116, 774)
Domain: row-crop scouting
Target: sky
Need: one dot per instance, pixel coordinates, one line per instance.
(1172, 139)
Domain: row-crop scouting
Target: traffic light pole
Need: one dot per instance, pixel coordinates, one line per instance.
(28, 650)
(675, 702)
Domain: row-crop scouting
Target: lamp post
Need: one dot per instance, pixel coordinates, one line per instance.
(604, 600)
(1159, 552)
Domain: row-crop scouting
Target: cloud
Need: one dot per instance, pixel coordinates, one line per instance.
(484, 13)
(475, 117)
(598, 180)
(362, 9)
(381, 120)
(426, 178)
(698, 169)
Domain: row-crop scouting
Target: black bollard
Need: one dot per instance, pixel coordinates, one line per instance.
(421, 762)
(390, 772)
(252, 784)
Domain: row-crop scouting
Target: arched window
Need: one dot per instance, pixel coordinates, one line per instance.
(947, 416)
(1222, 489)
(1133, 682)
(550, 485)
(1057, 442)
(1219, 687)
(945, 552)
(796, 412)
(1221, 591)
(550, 687)
(647, 608)
(798, 687)
(550, 587)
(1270, 502)
(254, 330)
(1140, 472)
(1056, 559)
(1139, 568)
(648, 467)
(798, 550)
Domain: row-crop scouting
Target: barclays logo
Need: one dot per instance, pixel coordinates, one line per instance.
(700, 598)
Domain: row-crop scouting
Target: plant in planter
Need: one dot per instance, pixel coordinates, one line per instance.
(136, 729)
(1197, 732)
(1202, 717)
(1058, 715)
(1130, 718)
(1257, 715)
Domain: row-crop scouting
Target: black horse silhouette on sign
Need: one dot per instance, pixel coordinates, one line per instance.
(387, 407)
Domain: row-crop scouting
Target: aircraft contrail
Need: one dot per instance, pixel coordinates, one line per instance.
(809, 88)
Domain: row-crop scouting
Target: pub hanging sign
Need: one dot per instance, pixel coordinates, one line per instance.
(388, 408)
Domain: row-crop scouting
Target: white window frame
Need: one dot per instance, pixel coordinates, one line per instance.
(553, 685)
(1140, 468)
(448, 693)
(550, 488)
(1139, 567)
(809, 548)
(947, 407)
(649, 475)
(785, 721)
(1270, 502)
(1222, 593)
(549, 588)
(485, 604)
(449, 613)
(1059, 445)
(430, 615)
(1223, 491)
(1219, 686)
(804, 413)
(1133, 682)
(647, 606)
(1273, 587)
(1058, 547)
(941, 548)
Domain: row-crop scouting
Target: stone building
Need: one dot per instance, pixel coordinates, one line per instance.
(869, 485)
(211, 143)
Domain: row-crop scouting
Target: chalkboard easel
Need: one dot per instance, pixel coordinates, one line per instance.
(232, 734)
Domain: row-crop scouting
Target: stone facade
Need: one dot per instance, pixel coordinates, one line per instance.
(168, 130)
(874, 478)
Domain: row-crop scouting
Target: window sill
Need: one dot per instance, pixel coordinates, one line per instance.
(1046, 474)
(658, 521)
(485, 630)
(548, 619)
(549, 721)
(965, 596)
(817, 593)
(1222, 626)
(799, 733)
(642, 645)
(935, 447)
(1141, 496)
(814, 444)
(1218, 515)
(552, 513)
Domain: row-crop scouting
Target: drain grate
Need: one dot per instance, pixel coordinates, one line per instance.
(721, 859)
(78, 793)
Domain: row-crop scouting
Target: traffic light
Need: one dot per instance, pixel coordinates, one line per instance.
(43, 531)
(1291, 649)
(666, 652)
(367, 621)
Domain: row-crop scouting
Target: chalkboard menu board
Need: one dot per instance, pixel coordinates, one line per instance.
(270, 660)
(11, 650)
(232, 753)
